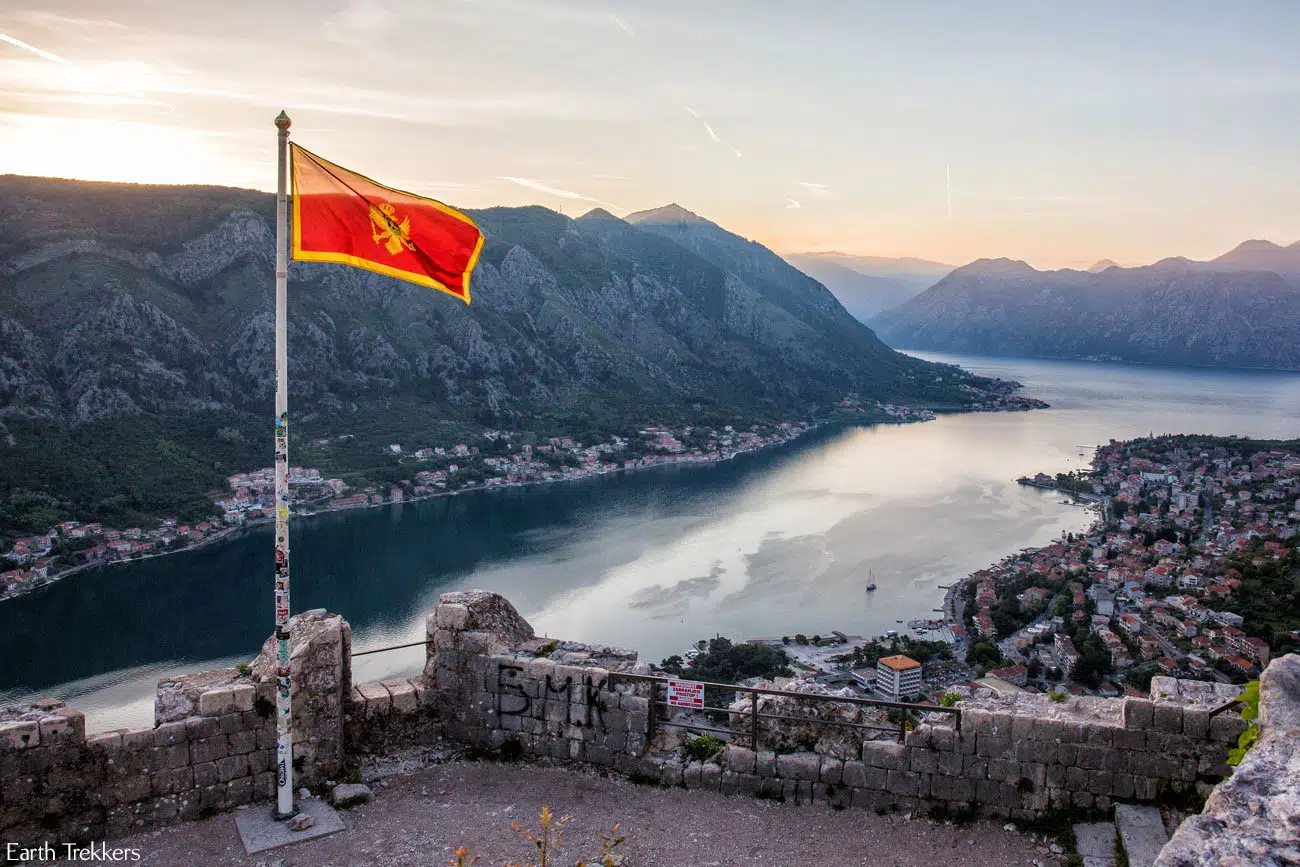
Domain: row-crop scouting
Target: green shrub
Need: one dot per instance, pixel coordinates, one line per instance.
(703, 748)
(948, 699)
(1250, 698)
(1058, 695)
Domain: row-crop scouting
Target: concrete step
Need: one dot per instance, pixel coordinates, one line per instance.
(1096, 843)
(1142, 832)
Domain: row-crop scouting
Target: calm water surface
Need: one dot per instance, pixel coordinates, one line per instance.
(765, 545)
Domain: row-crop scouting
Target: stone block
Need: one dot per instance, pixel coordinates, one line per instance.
(710, 777)
(993, 746)
(1157, 741)
(1130, 739)
(988, 792)
(260, 760)
(1099, 735)
(231, 767)
(1022, 727)
(918, 737)
(975, 767)
(765, 763)
(1004, 770)
(739, 759)
(692, 775)
(1076, 779)
(670, 773)
(924, 761)
(403, 696)
(1122, 785)
(209, 749)
(950, 764)
(451, 616)
(244, 696)
(57, 730)
(798, 766)
(1227, 727)
(1168, 718)
(1196, 723)
(1047, 729)
(962, 790)
(749, 784)
(1101, 782)
(215, 702)
(943, 738)
(199, 727)
(1066, 754)
(1071, 732)
(242, 742)
(1146, 788)
(904, 783)
(976, 721)
(1138, 713)
(170, 734)
(20, 735)
(730, 783)
(1092, 758)
(205, 774)
(879, 754)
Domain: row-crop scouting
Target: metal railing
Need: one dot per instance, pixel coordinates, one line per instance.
(755, 715)
(394, 647)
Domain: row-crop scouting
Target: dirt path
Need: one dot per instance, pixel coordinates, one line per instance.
(420, 816)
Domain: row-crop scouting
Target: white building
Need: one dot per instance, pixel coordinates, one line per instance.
(898, 677)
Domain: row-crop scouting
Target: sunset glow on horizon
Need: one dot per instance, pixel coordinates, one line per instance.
(1070, 135)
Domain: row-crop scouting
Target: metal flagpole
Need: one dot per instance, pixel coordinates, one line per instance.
(284, 806)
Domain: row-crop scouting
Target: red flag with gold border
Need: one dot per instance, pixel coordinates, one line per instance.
(341, 216)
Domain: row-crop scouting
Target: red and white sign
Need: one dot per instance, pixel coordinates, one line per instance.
(686, 693)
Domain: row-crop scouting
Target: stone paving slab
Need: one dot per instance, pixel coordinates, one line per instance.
(1143, 833)
(1096, 843)
(259, 831)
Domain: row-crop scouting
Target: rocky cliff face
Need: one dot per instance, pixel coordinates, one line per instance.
(1173, 312)
(119, 301)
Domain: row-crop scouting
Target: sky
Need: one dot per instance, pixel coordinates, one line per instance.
(1055, 133)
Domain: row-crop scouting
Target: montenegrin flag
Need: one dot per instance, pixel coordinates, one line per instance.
(341, 216)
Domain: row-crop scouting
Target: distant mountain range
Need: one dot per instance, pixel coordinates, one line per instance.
(1241, 309)
(136, 334)
(867, 285)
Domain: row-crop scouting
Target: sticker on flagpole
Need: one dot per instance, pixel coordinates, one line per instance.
(686, 693)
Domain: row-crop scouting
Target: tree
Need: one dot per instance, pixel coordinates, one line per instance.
(800, 638)
(983, 653)
(785, 639)
(1035, 668)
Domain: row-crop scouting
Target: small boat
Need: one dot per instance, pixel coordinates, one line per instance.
(871, 587)
(871, 579)
(898, 621)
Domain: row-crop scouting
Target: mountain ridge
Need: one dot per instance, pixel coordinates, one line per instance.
(1174, 312)
(136, 338)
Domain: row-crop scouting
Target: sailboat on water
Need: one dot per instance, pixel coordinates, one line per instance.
(871, 577)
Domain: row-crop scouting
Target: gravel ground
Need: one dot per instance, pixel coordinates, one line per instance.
(421, 814)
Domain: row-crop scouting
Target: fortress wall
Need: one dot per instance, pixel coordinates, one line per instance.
(491, 682)
(212, 747)
(496, 684)
(1253, 817)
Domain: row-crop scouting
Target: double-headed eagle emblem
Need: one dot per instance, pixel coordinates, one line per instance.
(385, 229)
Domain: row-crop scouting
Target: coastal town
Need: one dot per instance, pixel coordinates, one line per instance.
(1189, 570)
(497, 460)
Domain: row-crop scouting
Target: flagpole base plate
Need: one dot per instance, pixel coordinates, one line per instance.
(284, 817)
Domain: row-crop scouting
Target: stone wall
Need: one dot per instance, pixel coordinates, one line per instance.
(212, 748)
(491, 682)
(1253, 818)
(497, 684)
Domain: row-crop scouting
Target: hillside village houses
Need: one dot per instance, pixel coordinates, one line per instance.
(1151, 581)
(33, 560)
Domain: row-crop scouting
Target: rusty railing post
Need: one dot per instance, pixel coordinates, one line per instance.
(753, 721)
(650, 717)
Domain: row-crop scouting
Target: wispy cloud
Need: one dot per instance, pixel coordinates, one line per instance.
(623, 24)
(64, 22)
(39, 52)
(792, 205)
(541, 187)
(709, 129)
(818, 188)
(737, 153)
